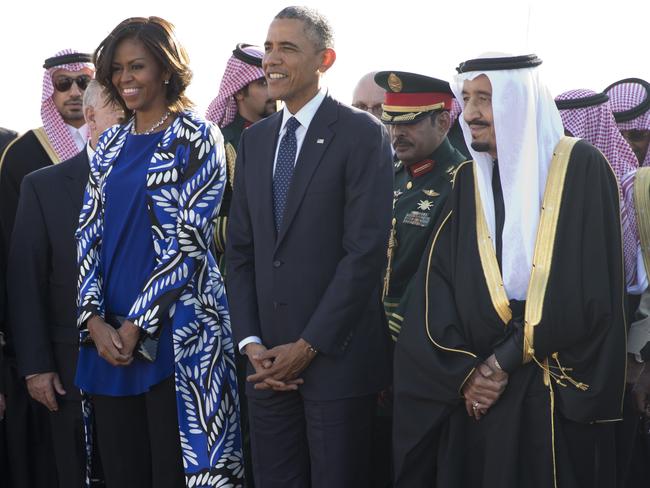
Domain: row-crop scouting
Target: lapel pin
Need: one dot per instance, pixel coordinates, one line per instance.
(320, 141)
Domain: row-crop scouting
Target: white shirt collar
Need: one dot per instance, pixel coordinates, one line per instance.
(306, 113)
(79, 136)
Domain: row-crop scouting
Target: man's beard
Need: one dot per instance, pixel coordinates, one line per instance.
(480, 146)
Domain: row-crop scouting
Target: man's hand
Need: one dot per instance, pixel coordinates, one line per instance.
(129, 334)
(484, 387)
(42, 388)
(108, 342)
(641, 390)
(289, 360)
(254, 351)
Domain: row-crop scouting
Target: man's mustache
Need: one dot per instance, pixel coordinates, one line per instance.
(402, 141)
(478, 122)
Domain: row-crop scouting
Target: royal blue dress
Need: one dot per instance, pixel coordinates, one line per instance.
(127, 260)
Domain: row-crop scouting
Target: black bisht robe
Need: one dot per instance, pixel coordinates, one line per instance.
(453, 323)
(27, 427)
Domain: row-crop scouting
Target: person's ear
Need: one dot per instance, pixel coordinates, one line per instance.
(89, 116)
(443, 121)
(240, 95)
(327, 59)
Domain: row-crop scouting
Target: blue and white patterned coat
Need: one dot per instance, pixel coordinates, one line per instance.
(185, 183)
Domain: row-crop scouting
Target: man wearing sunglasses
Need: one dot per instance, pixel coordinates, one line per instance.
(61, 137)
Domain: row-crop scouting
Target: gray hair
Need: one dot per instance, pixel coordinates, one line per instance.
(317, 27)
(92, 94)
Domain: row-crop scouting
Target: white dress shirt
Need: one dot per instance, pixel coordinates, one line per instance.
(80, 135)
(90, 151)
(305, 115)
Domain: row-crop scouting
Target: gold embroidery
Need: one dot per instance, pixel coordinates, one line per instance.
(545, 241)
(426, 294)
(431, 193)
(394, 83)
(411, 109)
(45, 142)
(489, 261)
(231, 157)
(642, 204)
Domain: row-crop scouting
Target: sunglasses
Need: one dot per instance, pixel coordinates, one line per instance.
(64, 83)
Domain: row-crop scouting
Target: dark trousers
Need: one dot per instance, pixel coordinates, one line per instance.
(300, 443)
(138, 439)
(28, 438)
(69, 444)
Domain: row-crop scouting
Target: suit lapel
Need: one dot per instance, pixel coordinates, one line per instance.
(317, 139)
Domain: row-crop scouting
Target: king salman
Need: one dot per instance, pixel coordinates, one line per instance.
(510, 367)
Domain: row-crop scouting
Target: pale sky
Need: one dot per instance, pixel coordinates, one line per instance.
(584, 44)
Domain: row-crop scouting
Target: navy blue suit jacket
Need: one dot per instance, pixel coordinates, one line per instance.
(42, 272)
(319, 277)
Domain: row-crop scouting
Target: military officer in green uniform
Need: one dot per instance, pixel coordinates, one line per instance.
(242, 100)
(416, 109)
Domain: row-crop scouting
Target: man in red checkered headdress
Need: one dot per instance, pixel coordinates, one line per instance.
(630, 101)
(62, 135)
(242, 100)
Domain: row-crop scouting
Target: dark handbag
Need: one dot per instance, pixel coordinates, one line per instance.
(147, 347)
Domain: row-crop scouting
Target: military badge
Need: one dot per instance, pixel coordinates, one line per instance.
(394, 83)
(425, 205)
(415, 217)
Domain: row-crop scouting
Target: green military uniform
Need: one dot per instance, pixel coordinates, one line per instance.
(231, 135)
(419, 194)
(420, 188)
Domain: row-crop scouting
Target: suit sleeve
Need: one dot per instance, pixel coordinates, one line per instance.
(200, 193)
(27, 279)
(366, 224)
(240, 274)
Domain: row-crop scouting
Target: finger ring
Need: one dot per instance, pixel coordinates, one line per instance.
(475, 405)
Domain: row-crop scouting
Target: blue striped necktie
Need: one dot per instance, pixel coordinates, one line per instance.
(284, 167)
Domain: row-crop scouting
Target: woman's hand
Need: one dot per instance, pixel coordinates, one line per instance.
(108, 342)
(129, 333)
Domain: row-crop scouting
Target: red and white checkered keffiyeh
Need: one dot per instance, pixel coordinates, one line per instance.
(626, 96)
(596, 124)
(455, 111)
(56, 129)
(238, 74)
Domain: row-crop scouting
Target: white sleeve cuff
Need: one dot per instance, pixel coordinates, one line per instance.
(247, 341)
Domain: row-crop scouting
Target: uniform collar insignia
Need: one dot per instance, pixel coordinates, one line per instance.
(423, 167)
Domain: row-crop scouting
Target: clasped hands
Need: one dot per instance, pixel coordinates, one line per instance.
(484, 387)
(114, 345)
(279, 368)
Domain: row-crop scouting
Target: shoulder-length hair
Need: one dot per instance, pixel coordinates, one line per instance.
(159, 39)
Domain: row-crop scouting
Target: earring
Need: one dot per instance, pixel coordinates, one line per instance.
(166, 82)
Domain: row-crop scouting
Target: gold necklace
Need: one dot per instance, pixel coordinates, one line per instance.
(152, 128)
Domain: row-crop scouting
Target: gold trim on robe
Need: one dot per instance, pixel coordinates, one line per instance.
(489, 261)
(426, 294)
(45, 142)
(545, 241)
(642, 207)
(231, 157)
